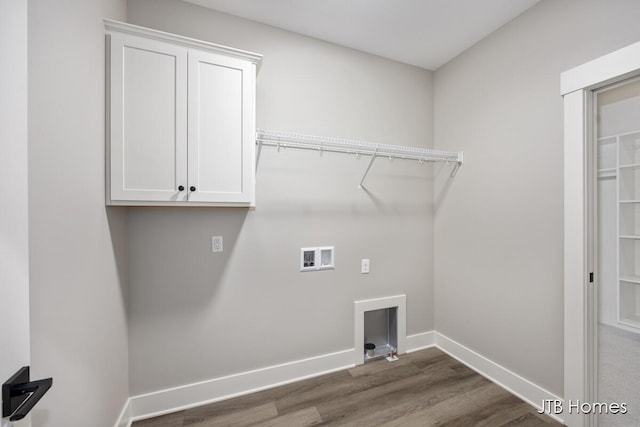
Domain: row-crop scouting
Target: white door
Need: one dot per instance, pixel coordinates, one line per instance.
(14, 244)
(221, 128)
(148, 131)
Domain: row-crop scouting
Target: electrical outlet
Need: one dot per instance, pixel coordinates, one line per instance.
(365, 266)
(216, 244)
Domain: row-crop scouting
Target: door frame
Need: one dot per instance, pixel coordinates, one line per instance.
(14, 206)
(577, 88)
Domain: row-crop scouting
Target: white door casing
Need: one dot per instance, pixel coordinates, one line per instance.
(577, 86)
(14, 229)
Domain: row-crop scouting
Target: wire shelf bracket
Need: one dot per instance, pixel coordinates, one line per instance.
(359, 148)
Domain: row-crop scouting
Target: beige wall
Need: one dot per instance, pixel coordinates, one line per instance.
(78, 313)
(195, 315)
(498, 226)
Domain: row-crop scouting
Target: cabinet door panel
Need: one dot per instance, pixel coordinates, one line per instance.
(148, 120)
(221, 128)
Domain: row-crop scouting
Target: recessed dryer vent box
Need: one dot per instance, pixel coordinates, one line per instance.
(381, 322)
(381, 329)
(318, 258)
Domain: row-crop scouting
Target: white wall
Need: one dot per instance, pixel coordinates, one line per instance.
(14, 232)
(195, 315)
(498, 226)
(618, 110)
(78, 313)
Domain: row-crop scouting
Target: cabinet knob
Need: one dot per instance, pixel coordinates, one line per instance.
(181, 188)
(192, 188)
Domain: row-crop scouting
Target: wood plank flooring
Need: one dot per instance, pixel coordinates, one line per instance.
(425, 388)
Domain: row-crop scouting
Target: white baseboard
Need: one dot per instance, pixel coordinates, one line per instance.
(178, 398)
(512, 382)
(124, 420)
(421, 341)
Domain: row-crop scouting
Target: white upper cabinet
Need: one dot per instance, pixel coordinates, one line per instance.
(182, 120)
(220, 144)
(148, 120)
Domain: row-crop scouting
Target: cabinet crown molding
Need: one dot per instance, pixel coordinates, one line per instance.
(149, 33)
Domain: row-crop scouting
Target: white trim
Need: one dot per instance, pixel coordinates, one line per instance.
(575, 254)
(509, 380)
(615, 66)
(421, 341)
(175, 399)
(149, 33)
(398, 301)
(192, 395)
(188, 396)
(124, 420)
(577, 85)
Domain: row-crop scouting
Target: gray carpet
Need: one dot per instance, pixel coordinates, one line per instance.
(619, 374)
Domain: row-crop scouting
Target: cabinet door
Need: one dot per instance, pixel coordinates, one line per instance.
(221, 129)
(148, 140)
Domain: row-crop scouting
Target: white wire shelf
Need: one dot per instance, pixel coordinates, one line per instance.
(359, 148)
(630, 279)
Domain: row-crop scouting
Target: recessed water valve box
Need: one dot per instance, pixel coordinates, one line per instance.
(308, 259)
(317, 258)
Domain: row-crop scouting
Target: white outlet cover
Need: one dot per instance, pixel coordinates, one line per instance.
(365, 266)
(216, 244)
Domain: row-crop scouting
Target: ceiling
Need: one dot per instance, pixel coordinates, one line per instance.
(425, 33)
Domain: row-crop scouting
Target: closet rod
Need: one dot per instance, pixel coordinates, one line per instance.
(348, 146)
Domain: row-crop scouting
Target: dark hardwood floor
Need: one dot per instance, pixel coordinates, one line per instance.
(425, 388)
